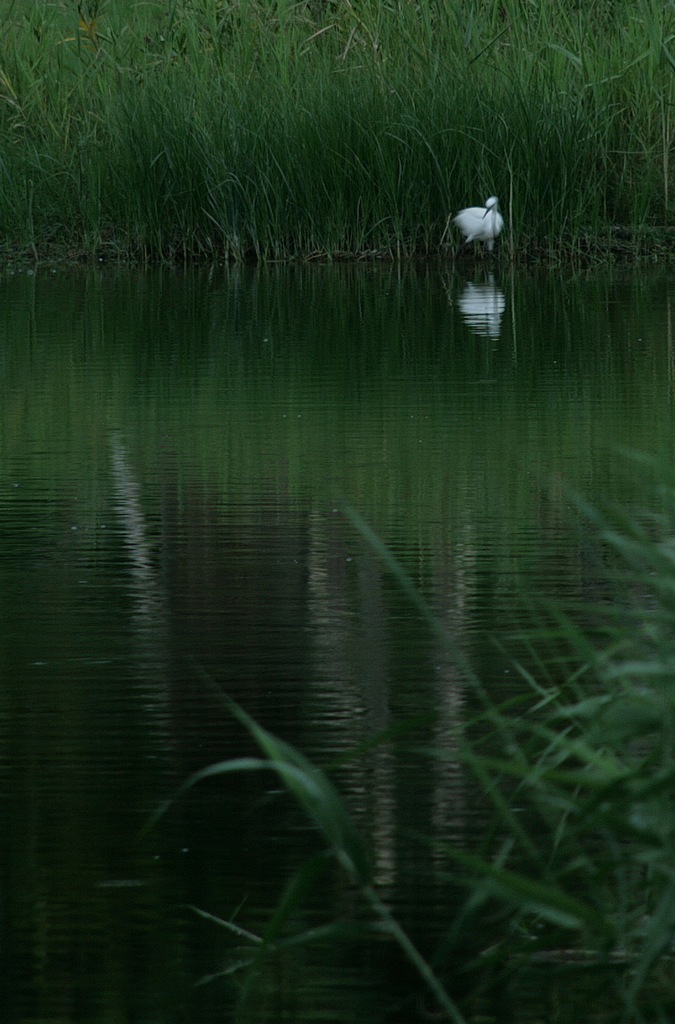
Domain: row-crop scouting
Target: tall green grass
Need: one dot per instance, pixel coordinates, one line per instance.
(274, 130)
(575, 867)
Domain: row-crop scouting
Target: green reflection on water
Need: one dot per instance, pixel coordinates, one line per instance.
(339, 382)
(175, 452)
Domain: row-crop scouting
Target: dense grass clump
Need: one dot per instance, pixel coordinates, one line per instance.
(273, 130)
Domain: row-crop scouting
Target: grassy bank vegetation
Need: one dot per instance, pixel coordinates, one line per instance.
(272, 129)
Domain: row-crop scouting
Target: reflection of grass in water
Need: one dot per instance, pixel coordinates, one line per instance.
(577, 865)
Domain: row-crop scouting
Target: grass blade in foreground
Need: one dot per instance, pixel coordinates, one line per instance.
(323, 805)
(580, 835)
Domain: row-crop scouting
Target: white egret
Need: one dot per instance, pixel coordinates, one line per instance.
(481, 223)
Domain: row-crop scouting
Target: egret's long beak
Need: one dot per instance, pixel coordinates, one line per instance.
(486, 212)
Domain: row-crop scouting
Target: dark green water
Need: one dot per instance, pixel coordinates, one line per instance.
(178, 455)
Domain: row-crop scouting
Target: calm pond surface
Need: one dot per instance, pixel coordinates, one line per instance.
(181, 455)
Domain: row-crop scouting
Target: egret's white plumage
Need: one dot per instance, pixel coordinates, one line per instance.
(481, 223)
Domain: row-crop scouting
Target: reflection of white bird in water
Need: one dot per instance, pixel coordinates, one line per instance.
(481, 223)
(482, 306)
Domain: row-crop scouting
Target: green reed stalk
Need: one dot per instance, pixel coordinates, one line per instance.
(324, 807)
